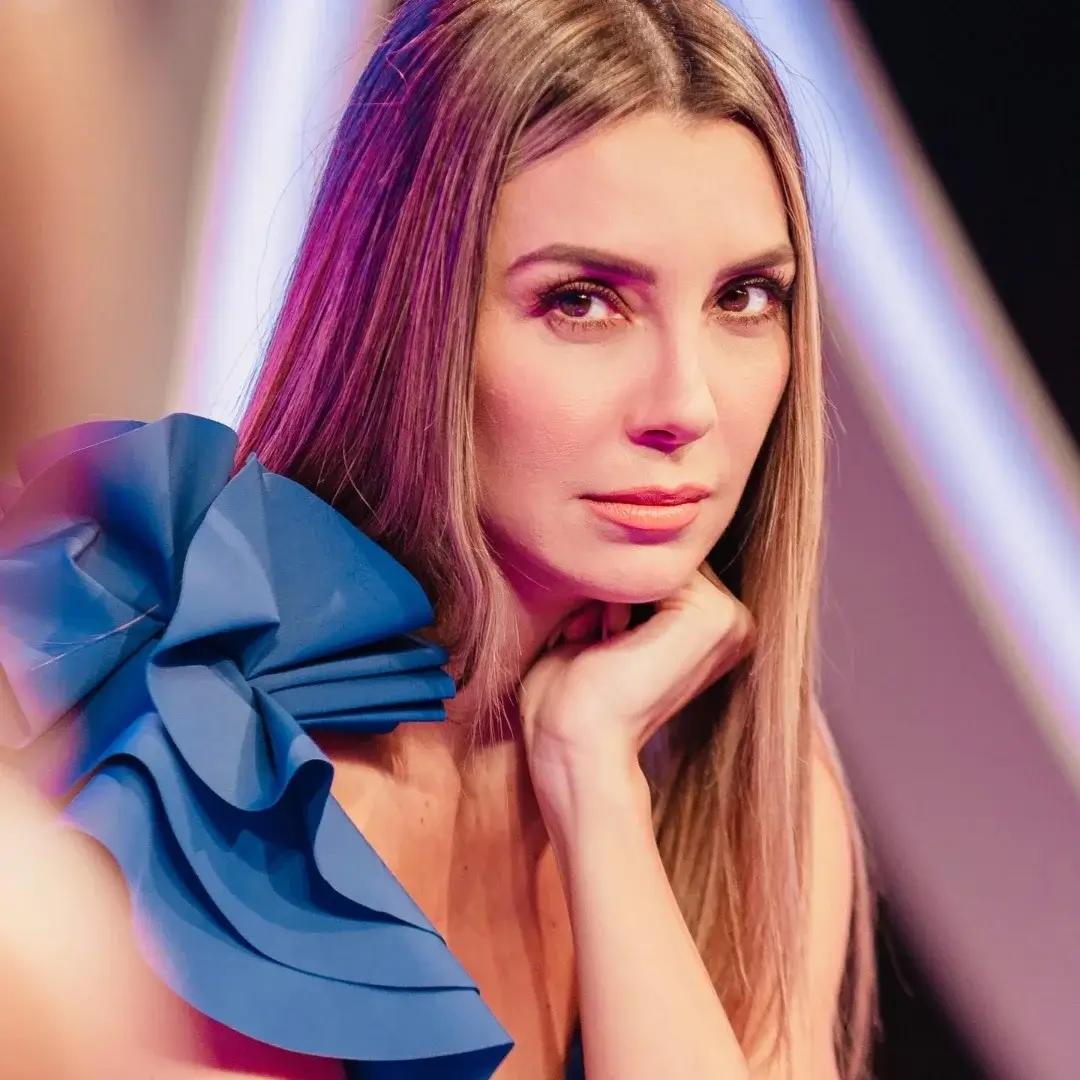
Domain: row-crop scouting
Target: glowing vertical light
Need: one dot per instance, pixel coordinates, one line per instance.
(288, 79)
(1005, 500)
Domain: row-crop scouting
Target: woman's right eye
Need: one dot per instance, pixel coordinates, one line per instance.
(576, 304)
(581, 306)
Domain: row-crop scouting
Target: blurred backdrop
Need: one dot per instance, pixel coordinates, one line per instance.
(159, 157)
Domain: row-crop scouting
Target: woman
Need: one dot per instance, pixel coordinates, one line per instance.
(551, 341)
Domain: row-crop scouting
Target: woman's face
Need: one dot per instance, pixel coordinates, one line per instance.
(632, 349)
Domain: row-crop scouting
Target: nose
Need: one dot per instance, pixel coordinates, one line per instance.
(676, 403)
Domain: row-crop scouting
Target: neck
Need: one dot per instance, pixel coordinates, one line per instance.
(469, 737)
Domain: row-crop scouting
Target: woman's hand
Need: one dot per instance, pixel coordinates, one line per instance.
(591, 702)
(647, 1004)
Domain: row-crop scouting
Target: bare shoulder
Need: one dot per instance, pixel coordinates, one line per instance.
(833, 863)
(835, 867)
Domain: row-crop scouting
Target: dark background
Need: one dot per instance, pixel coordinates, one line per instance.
(993, 93)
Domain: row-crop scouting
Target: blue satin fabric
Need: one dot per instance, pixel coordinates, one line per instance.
(193, 627)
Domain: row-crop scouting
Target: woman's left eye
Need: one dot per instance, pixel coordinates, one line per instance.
(750, 300)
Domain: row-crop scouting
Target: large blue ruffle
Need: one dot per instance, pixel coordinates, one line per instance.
(193, 626)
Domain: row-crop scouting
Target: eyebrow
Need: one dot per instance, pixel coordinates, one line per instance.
(594, 259)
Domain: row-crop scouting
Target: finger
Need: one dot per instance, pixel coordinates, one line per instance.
(584, 625)
(702, 631)
(705, 592)
(616, 618)
(699, 615)
(710, 575)
(735, 643)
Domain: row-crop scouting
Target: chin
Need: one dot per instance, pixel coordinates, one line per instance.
(638, 574)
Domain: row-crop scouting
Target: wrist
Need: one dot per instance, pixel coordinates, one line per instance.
(584, 800)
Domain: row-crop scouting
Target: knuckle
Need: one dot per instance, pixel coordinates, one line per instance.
(730, 624)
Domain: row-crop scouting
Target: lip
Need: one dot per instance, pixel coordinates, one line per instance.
(650, 512)
(647, 518)
(654, 496)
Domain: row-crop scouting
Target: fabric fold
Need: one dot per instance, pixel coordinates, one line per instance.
(195, 626)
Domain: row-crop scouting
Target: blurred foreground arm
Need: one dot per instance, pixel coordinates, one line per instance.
(73, 1002)
(76, 1001)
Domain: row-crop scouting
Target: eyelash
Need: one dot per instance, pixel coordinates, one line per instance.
(778, 289)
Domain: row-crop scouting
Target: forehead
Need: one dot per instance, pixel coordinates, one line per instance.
(653, 187)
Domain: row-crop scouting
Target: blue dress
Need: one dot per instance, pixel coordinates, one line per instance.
(195, 626)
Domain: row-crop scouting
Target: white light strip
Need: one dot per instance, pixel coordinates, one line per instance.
(960, 425)
(290, 77)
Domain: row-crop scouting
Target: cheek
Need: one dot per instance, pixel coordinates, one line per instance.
(537, 416)
(748, 394)
(519, 426)
(761, 394)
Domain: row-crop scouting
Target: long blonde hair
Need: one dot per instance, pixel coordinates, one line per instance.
(366, 397)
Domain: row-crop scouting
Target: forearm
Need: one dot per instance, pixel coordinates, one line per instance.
(648, 1006)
